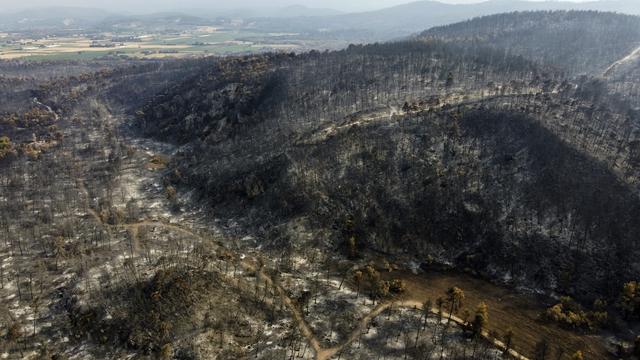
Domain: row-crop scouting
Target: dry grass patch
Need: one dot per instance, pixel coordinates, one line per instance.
(506, 310)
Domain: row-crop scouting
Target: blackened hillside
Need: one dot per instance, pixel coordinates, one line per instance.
(457, 152)
(576, 41)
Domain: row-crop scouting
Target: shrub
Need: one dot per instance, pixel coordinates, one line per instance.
(6, 147)
(397, 286)
(570, 314)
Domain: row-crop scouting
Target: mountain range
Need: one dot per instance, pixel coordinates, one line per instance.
(413, 17)
(379, 25)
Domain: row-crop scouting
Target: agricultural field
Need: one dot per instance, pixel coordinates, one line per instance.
(202, 41)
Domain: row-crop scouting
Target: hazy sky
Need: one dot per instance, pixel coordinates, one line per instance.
(159, 5)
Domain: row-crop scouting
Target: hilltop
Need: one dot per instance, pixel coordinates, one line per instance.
(579, 42)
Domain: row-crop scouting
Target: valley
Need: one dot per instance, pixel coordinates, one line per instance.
(199, 41)
(131, 242)
(138, 243)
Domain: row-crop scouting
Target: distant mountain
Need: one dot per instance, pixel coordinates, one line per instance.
(292, 11)
(410, 18)
(52, 18)
(303, 11)
(60, 18)
(576, 41)
(381, 25)
(159, 21)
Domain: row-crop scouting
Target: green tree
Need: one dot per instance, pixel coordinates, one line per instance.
(381, 289)
(353, 247)
(481, 318)
(629, 299)
(455, 297)
(5, 146)
(166, 352)
(4, 142)
(577, 355)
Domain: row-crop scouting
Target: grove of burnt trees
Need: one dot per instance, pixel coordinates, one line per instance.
(445, 154)
(493, 163)
(450, 186)
(299, 92)
(578, 42)
(239, 114)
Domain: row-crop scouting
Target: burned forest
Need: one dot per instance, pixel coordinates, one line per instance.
(471, 191)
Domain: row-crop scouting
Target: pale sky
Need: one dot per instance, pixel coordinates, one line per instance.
(161, 5)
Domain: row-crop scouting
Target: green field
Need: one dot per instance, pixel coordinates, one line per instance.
(154, 46)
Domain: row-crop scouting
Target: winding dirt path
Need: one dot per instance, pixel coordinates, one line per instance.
(247, 264)
(328, 353)
(412, 304)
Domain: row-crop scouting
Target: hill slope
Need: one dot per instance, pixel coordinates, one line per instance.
(577, 41)
(476, 155)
